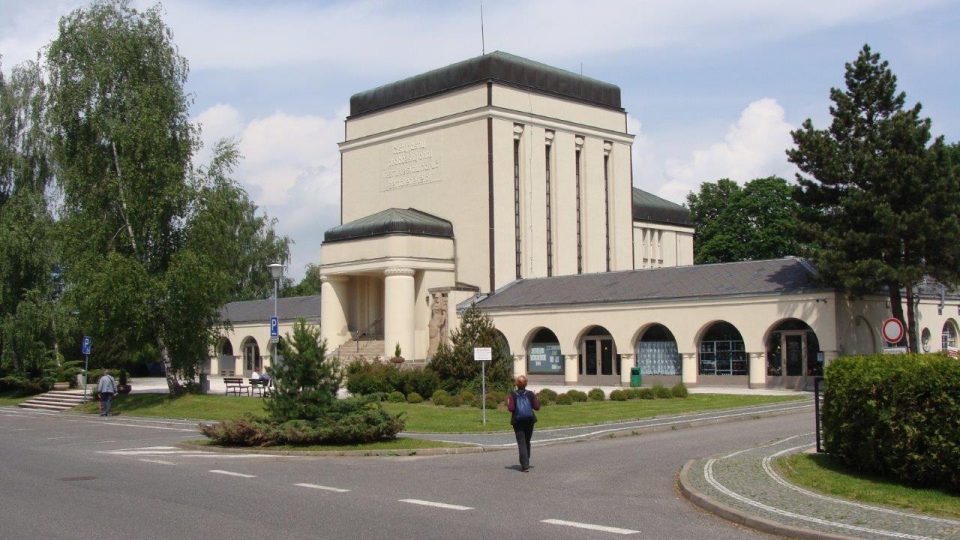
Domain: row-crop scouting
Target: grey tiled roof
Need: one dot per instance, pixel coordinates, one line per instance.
(288, 309)
(390, 221)
(649, 207)
(769, 277)
(496, 66)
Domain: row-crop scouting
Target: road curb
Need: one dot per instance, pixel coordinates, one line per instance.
(741, 517)
(266, 450)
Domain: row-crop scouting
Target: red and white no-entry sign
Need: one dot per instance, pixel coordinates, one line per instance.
(892, 330)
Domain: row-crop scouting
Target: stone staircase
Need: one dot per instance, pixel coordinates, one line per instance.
(55, 400)
(353, 349)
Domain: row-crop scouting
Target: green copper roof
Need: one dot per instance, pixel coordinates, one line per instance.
(649, 207)
(391, 221)
(497, 66)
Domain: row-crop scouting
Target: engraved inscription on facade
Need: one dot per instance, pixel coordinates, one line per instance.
(408, 164)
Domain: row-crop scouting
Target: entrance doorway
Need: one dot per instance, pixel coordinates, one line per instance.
(599, 362)
(793, 355)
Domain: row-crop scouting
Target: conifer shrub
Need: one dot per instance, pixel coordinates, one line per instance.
(466, 396)
(564, 399)
(679, 390)
(453, 401)
(619, 395)
(414, 397)
(645, 393)
(396, 397)
(439, 397)
(660, 391)
(596, 394)
(633, 393)
(577, 396)
(896, 416)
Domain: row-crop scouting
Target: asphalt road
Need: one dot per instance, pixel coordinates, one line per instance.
(68, 476)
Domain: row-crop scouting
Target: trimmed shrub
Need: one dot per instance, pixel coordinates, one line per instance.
(396, 397)
(564, 399)
(419, 380)
(498, 397)
(660, 391)
(546, 396)
(679, 390)
(365, 377)
(466, 396)
(645, 393)
(439, 395)
(414, 397)
(596, 394)
(633, 393)
(619, 395)
(577, 395)
(896, 416)
(453, 401)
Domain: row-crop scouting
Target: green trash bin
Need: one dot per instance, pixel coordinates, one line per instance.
(635, 378)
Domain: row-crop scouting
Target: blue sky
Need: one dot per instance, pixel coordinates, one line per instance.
(712, 88)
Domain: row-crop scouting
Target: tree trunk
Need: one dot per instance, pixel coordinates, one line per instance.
(173, 382)
(911, 322)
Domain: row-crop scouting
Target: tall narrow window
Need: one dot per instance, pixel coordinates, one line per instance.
(549, 141)
(579, 151)
(606, 196)
(517, 131)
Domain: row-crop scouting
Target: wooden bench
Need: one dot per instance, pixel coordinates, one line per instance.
(260, 385)
(235, 386)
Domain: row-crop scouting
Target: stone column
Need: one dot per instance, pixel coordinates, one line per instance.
(758, 370)
(626, 362)
(399, 317)
(688, 370)
(333, 315)
(519, 365)
(570, 369)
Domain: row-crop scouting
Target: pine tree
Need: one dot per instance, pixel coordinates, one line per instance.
(305, 381)
(881, 202)
(455, 364)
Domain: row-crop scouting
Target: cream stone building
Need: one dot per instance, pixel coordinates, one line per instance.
(506, 183)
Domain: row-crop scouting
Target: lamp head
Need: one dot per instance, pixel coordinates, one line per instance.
(276, 270)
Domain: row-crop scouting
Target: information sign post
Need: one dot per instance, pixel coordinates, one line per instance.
(483, 355)
(85, 349)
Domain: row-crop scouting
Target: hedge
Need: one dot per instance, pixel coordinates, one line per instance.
(896, 416)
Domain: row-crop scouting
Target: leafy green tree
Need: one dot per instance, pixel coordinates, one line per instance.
(455, 364)
(306, 380)
(28, 340)
(881, 200)
(758, 221)
(152, 248)
(309, 285)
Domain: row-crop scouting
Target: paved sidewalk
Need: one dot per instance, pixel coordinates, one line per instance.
(745, 488)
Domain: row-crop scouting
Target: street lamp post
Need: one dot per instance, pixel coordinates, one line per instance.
(276, 272)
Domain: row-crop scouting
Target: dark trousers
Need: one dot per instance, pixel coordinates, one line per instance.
(523, 429)
(105, 401)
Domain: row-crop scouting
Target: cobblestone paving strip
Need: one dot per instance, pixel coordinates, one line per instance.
(746, 482)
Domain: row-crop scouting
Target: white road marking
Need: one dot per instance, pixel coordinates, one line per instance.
(324, 488)
(437, 504)
(231, 473)
(589, 526)
(160, 461)
(64, 437)
(180, 452)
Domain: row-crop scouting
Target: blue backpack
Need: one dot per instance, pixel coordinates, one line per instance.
(522, 409)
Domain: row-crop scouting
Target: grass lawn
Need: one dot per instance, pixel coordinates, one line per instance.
(199, 407)
(425, 417)
(428, 418)
(822, 473)
(11, 398)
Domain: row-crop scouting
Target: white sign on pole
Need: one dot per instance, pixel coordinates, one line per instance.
(483, 354)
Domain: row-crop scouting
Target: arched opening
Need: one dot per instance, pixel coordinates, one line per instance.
(599, 362)
(543, 354)
(227, 362)
(722, 351)
(251, 356)
(502, 344)
(657, 352)
(948, 337)
(793, 352)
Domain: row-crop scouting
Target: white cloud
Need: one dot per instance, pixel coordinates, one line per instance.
(753, 147)
(290, 167)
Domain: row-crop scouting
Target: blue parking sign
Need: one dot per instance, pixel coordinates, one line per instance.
(274, 327)
(85, 348)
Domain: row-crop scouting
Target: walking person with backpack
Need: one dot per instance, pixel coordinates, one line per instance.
(521, 403)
